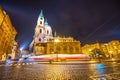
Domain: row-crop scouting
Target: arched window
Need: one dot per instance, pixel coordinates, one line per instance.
(41, 18)
(40, 22)
(39, 39)
(47, 32)
(40, 30)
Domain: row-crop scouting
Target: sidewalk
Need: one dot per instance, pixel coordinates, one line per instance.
(70, 62)
(62, 62)
(113, 60)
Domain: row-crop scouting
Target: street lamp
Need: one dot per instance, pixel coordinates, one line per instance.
(90, 53)
(111, 52)
(57, 41)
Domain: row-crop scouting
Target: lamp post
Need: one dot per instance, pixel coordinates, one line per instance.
(90, 53)
(111, 52)
(56, 41)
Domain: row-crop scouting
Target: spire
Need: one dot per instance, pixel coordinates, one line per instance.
(46, 23)
(41, 14)
(40, 19)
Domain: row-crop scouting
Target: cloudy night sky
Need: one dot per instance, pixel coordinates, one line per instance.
(85, 20)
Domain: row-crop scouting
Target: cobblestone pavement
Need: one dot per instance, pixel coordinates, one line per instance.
(36, 71)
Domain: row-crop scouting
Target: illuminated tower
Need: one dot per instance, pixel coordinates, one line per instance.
(43, 31)
(41, 19)
(48, 31)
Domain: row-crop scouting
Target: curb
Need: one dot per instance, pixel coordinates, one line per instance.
(70, 62)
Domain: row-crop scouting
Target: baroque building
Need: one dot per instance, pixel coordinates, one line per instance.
(63, 46)
(114, 48)
(15, 50)
(43, 33)
(44, 42)
(109, 50)
(8, 33)
(88, 48)
(94, 48)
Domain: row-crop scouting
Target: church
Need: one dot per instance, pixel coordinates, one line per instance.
(45, 43)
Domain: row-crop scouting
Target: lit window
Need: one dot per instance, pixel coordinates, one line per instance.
(47, 32)
(40, 30)
(40, 22)
(39, 39)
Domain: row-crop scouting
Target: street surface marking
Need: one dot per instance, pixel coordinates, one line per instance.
(12, 64)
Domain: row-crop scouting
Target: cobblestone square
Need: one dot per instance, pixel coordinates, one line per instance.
(37, 71)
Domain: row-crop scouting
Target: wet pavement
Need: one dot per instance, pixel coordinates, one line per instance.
(43, 71)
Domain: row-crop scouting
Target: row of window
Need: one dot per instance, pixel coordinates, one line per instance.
(41, 31)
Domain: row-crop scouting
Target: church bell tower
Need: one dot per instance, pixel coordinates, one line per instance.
(41, 19)
(43, 33)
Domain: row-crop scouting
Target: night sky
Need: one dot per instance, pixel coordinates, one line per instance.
(85, 20)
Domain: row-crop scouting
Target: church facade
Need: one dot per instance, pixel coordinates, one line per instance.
(44, 42)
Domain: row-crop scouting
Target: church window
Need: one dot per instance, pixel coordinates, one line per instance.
(39, 39)
(41, 18)
(40, 22)
(40, 30)
(47, 32)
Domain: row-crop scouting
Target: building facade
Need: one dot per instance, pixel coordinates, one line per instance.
(8, 33)
(63, 46)
(44, 42)
(95, 50)
(109, 50)
(114, 48)
(88, 48)
(43, 32)
(15, 51)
